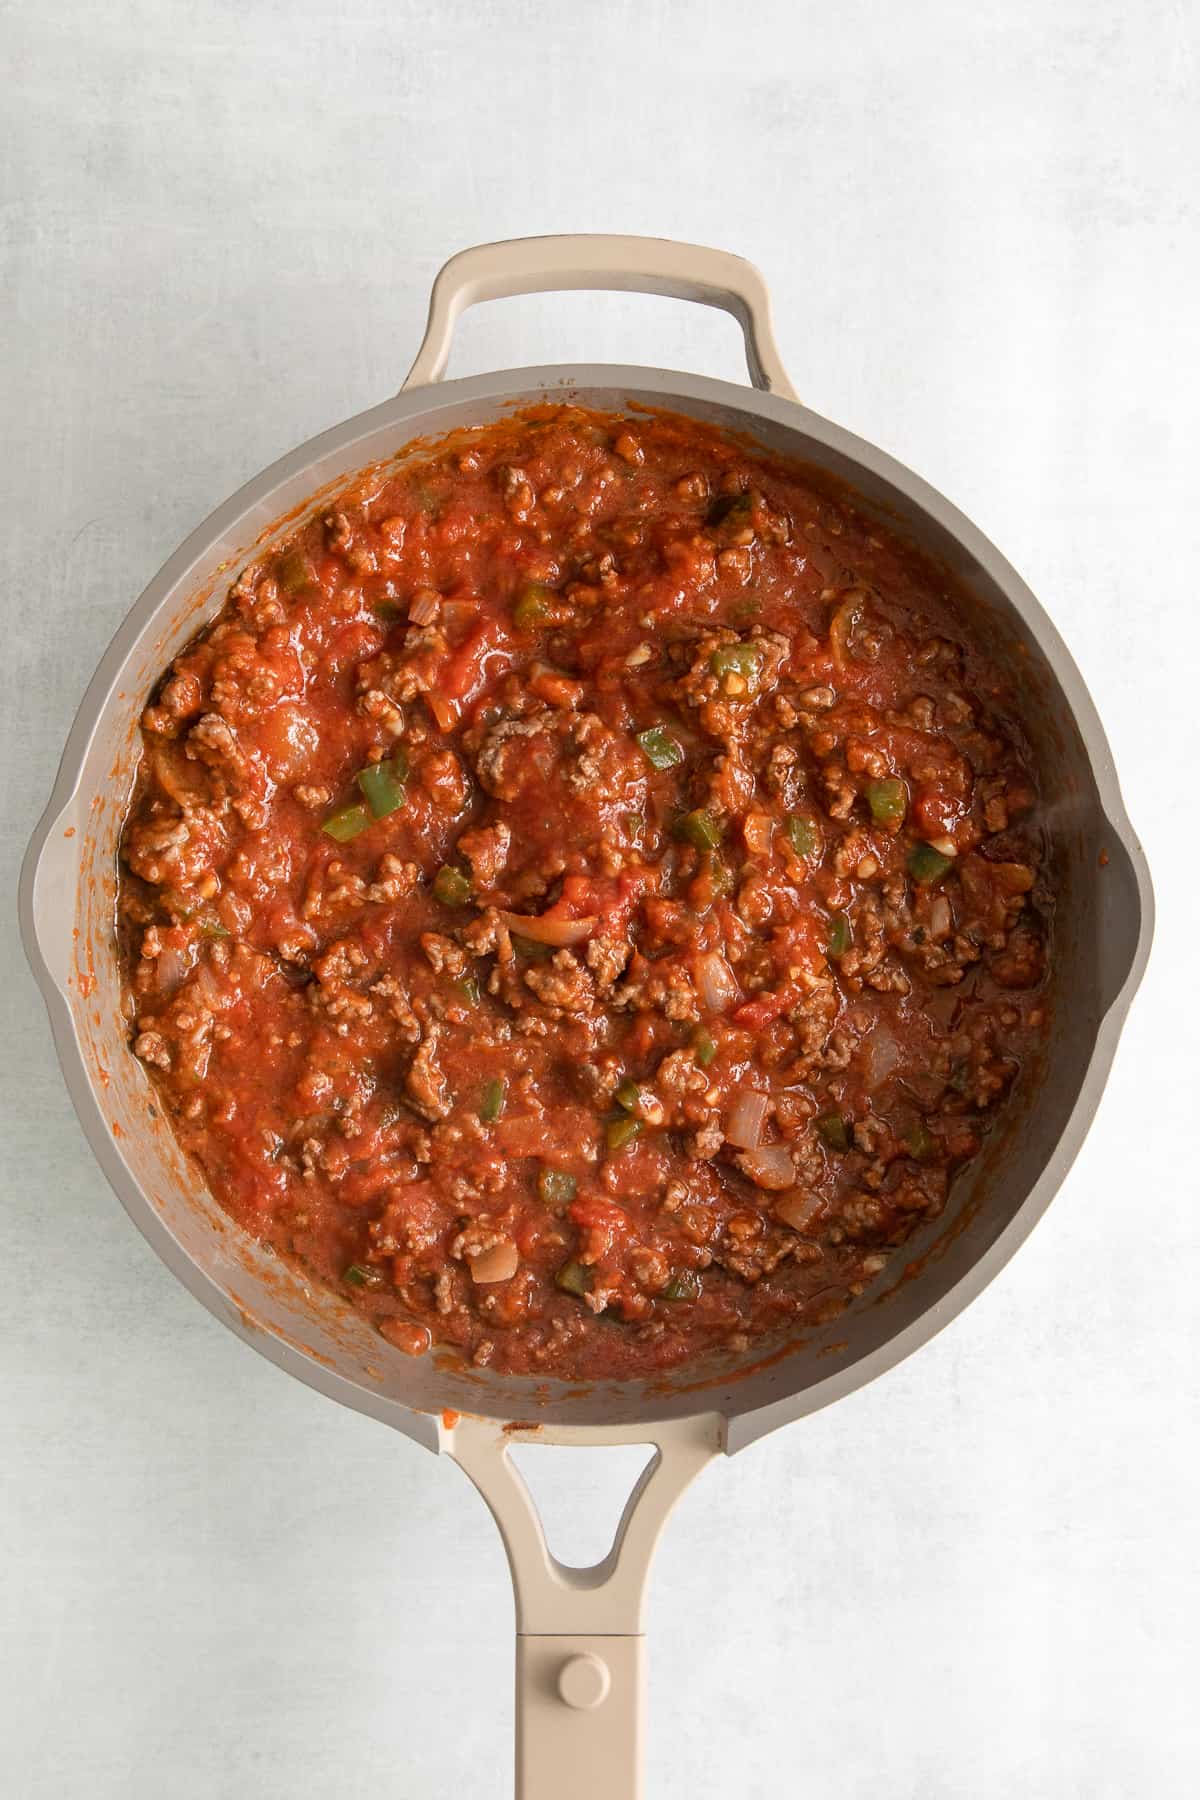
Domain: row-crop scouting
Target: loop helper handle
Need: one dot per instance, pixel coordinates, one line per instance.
(640, 265)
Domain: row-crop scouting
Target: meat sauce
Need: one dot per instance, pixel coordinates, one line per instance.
(582, 897)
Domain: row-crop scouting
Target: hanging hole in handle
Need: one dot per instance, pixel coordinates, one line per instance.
(580, 1493)
(586, 325)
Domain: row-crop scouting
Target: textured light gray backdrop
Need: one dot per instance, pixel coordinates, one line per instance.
(977, 1579)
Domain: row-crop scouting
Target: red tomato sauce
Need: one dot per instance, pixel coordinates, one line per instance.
(583, 896)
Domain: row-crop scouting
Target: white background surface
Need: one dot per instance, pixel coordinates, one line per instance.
(975, 1580)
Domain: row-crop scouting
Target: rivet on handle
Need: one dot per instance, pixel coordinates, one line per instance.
(583, 1682)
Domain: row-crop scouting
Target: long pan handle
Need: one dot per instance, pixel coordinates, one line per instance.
(580, 1644)
(640, 265)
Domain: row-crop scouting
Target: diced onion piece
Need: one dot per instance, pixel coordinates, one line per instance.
(757, 831)
(424, 606)
(844, 625)
(560, 932)
(718, 983)
(458, 616)
(881, 1054)
(445, 711)
(497, 1263)
(178, 776)
(800, 1210)
(770, 1166)
(170, 968)
(206, 987)
(746, 1117)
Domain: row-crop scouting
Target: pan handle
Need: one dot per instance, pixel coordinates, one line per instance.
(640, 265)
(580, 1648)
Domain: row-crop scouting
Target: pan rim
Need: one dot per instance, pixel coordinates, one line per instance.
(419, 410)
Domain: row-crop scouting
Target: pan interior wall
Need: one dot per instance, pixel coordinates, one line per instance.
(271, 1303)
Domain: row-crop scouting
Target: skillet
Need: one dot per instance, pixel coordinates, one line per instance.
(580, 1648)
